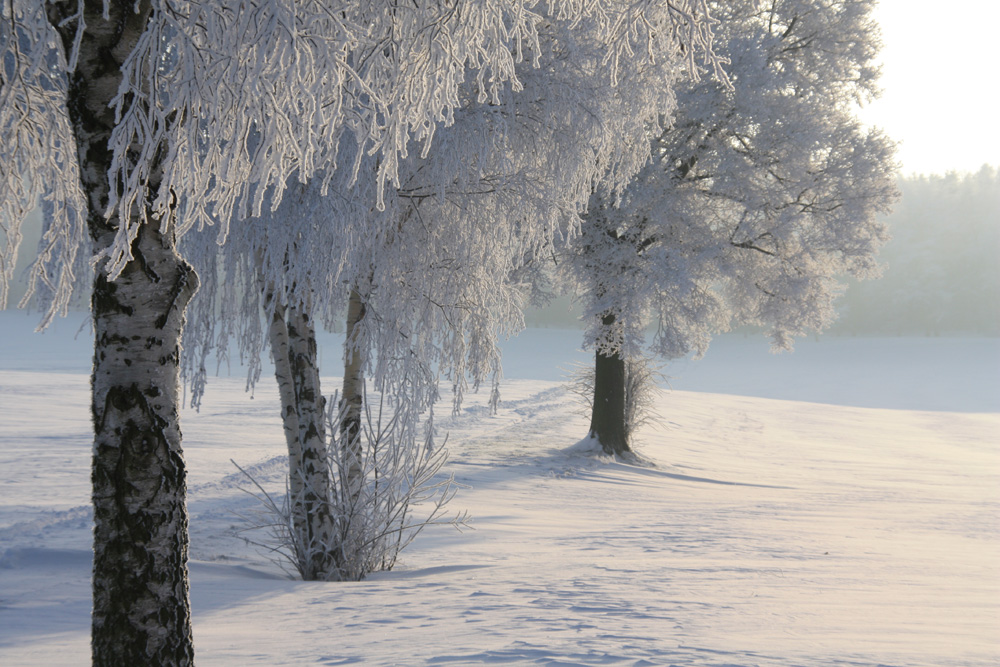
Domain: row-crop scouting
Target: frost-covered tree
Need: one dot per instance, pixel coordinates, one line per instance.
(756, 199)
(429, 280)
(140, 120)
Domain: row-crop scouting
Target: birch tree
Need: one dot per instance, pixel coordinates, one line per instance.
(756, 198)
(426, 279)
(141, 603)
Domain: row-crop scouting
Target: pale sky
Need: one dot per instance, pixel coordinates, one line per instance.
(941, 96)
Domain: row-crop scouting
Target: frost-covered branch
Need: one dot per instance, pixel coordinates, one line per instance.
(39, 160)
(503, 183)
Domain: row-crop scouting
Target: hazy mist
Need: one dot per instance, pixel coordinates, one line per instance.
(941, 268)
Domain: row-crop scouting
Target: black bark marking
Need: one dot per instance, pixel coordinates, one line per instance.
(104, 300)
(185, 286)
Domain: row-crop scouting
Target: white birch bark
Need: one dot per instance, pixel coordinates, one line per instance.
(312, 466)
(293, 348)
(352, 398)
(141, 612)
(141, 609)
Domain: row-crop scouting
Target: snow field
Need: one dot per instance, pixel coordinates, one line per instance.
(769, 533)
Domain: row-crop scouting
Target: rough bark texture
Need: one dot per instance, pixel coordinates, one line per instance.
(141, 609)
(607, 420)
(141, 612)
(293, 346)
(352, 399)
(278, 338)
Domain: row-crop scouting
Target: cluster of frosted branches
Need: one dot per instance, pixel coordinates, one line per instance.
(643, 381)
(758, 198)
(39, 160)
(247, 97)
(254, 94)
(502, 184)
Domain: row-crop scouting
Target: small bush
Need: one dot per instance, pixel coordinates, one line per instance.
(399, 493)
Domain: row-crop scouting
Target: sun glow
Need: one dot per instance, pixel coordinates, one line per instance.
(938, 79)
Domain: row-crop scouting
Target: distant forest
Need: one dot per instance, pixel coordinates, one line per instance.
(942, 266)
(941, 270)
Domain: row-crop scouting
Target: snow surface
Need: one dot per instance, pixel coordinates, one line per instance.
(842, 531)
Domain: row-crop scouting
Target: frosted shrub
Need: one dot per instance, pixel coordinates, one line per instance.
(642, 388)
(401, 490)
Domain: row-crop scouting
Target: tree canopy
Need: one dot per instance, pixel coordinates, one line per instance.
(758, 197)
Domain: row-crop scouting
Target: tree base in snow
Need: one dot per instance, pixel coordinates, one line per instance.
(374, 516)
(591, 448)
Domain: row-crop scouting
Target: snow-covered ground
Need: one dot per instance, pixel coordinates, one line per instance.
(837, 506)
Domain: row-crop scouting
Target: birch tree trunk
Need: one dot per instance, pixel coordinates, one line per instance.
(352, 398)
(607, 421)
(141, 612)
(293, 346)
(141, 609)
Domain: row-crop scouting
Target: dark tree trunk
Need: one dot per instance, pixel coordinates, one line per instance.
(141, 609)
(607, 420)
